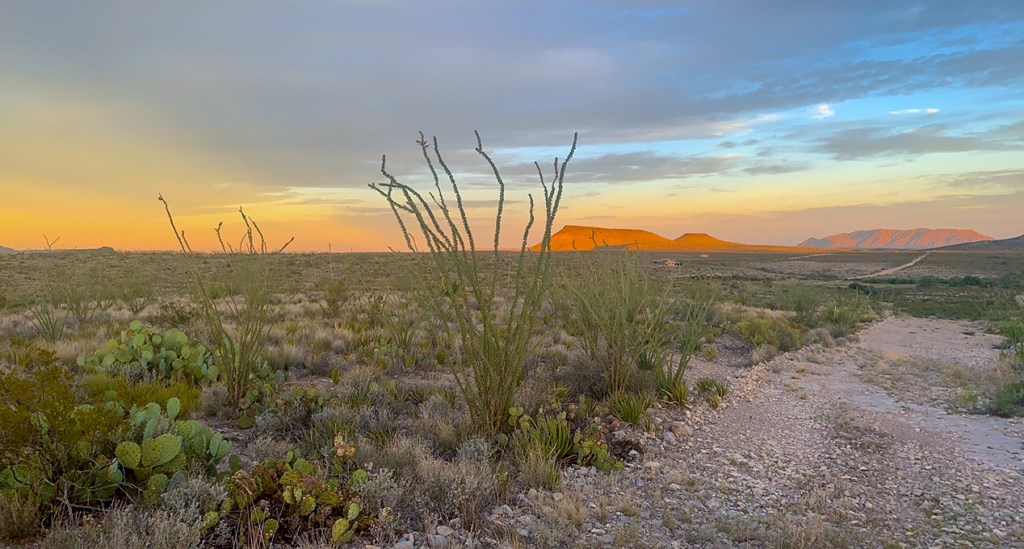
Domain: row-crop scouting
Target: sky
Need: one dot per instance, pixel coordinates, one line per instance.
(756, 122)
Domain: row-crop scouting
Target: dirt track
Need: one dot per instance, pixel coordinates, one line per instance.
(809, 451)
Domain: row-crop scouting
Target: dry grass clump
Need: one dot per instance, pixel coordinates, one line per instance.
(19, 515)
(127, 527)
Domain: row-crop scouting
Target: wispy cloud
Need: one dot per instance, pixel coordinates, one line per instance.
(823, 110)
(930, 110)
(858, 143)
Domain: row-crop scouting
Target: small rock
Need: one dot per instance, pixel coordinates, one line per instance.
(653, 466)
(607, 538)
(405, 544)
(435, 540)
(681, 429)
(669, 438)
(445, 531)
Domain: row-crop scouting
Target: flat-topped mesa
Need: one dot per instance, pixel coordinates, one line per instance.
(909, 239)
(582, 238)
(704, 240)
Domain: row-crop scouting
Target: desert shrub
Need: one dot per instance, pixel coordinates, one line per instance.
(493, 335)
(386, 501)
(336, 294)
(173, 313)
(819, 336)
(805, 302)
(52, 446)
(462, 488)
(290, 414)
(770, 330)
(763, 353)
(135, 297)
(192, 496)
(263, 448)
(141, 353)
(1008, 399)
(1013, 331)
(844, 310)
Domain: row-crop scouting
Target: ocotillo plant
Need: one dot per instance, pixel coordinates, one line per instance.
(239, 352)
(493, 339)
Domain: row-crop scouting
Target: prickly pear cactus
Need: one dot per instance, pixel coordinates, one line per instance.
(129, 454)
(141, 349)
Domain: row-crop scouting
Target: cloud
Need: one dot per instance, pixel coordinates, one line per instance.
(775, 168)
(993, 179)
(733, 144)
(915, 111)
(823, 110)
(646, 166)
(866, 142)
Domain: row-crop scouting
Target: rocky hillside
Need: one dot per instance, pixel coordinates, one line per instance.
(1015, 243)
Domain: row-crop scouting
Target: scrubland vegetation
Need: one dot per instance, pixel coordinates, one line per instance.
(252, 399)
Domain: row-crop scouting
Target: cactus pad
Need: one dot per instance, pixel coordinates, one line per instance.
(129, 454)
(160, 450)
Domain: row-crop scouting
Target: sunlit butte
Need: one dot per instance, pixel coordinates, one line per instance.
(752, 122)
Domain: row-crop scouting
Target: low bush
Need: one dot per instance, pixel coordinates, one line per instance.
(1013, 331)
(770, 330)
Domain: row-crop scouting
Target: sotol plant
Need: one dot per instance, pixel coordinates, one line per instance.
(492, 304)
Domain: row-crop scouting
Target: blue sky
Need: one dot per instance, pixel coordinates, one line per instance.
(753, 121)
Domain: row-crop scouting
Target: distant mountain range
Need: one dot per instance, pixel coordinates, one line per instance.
(6, 250)
(1015, 243)
(913, 239)
(582, 238)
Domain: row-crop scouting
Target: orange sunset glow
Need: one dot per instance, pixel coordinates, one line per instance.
(792, 131)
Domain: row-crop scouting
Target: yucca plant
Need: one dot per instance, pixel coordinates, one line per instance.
(469, 283)
(713, 390)
(670, 376)
(630, 407)
(49, 321)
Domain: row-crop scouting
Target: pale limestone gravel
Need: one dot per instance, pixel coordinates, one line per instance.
(805, 447)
